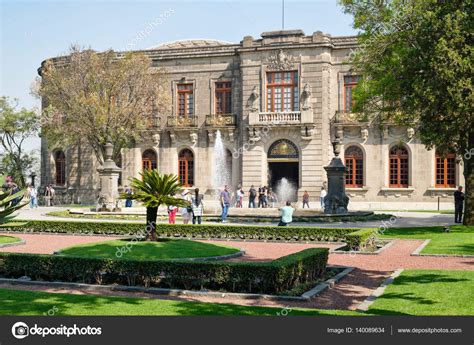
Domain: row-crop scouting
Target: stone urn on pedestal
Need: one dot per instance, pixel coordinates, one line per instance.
(108, 174)
(336, 200)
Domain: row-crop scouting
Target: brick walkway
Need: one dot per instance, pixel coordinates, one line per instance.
(347, 294)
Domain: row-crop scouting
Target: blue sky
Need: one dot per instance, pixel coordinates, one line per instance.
(34, 30)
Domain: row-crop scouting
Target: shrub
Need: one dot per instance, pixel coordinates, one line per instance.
(258, 277)
(356, 240)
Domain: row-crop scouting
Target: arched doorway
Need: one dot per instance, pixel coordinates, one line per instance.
(283, 169)
(186, 167)
(149, 160)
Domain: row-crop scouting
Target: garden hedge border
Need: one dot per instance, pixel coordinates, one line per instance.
(355, 238)
(272, 277)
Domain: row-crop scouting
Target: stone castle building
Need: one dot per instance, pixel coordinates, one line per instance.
(276, 103)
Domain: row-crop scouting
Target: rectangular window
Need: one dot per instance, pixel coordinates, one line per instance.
(446, 170)
(350, 82)
(223, 98)
(185, 100)
(282, 91)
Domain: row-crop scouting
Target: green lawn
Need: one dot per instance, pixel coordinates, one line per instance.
(428, 292)
(8, 239)
(17, 302)
(459, 241)
(162, 249)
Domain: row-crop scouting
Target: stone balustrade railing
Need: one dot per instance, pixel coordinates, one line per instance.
(290, 117)
(182, 121)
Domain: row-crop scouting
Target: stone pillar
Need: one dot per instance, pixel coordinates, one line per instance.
(108, 175)
(336, 200)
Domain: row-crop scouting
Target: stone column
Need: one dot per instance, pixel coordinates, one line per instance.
(336, 200)
(108, 175)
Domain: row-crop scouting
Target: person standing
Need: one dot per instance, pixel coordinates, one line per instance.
(261, 195)
(252, 196)
(322, 196)
(186, 212)
(225, 203)
(240, 198)
(128, 201)
(172, 210)
(265, 196)
(197, 206)
(33, 195)
(458, 205)
(306, 198)
(47, 196)
(286, 214)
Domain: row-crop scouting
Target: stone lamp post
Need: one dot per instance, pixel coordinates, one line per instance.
(336, 200)
(108, 174)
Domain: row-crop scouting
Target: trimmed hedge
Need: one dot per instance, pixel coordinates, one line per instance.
(355, 238)
(252, 277)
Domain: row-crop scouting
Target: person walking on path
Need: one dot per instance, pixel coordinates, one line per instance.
(33, 193)
(128, 201)
(322, 196)
(458, 205)
(225, 203)
(197, 206)
(252, 196)
(48, 195)
(306, 198)
(286, 214)
(186, 212)
(240, 198)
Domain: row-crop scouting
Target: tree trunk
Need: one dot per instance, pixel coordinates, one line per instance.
(151, 213)
(469, 192)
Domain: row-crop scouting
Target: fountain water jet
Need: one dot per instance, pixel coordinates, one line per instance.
(285, 190)
(221, 168)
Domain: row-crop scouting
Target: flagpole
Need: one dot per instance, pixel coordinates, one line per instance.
(283, 15)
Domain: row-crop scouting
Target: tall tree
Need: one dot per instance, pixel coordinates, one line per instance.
(415, 58)
(16, 126)
(99, 97)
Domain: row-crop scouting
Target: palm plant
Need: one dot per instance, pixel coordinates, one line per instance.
(153, 190)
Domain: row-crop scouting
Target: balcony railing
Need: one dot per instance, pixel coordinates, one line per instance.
(290, 117)
(182, 121)
(221, 120)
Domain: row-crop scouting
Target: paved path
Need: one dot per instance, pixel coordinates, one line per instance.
(347, 294)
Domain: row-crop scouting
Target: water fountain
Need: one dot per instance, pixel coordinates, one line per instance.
(285, 191)
(221, 169)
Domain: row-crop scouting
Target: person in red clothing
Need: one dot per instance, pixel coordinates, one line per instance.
(172, 210)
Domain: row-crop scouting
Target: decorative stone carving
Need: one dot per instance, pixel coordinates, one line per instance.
(410, 133)
(336, 200)
(231, 135)
(108, 174)
(364, 133)
(280, 61)
(254, 134)
(254, 100)
(306, 97)
(173, 137)
(156, 139)
(307, 132)
(194, 137)
(385, 132)
(211, 136)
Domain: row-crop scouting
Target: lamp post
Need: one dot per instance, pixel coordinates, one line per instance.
(32, 177)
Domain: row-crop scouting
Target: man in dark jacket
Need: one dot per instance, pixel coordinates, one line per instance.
(458, 205)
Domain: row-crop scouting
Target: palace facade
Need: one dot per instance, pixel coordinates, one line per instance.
(276, 103)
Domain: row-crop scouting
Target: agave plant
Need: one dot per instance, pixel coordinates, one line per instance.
(153, 190)
(6, 205)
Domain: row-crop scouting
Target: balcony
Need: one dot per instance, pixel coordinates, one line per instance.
(182, 122)
(281, 118)
(221, 120)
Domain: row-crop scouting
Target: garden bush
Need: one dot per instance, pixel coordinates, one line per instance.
(356, 238)
(272, 277)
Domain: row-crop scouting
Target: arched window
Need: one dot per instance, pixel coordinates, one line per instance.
(399, 171)
(445, 170)
(60, 168)
(149, 160)
(354, 160)
(186, 167)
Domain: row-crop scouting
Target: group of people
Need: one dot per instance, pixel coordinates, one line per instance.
(264, 196)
